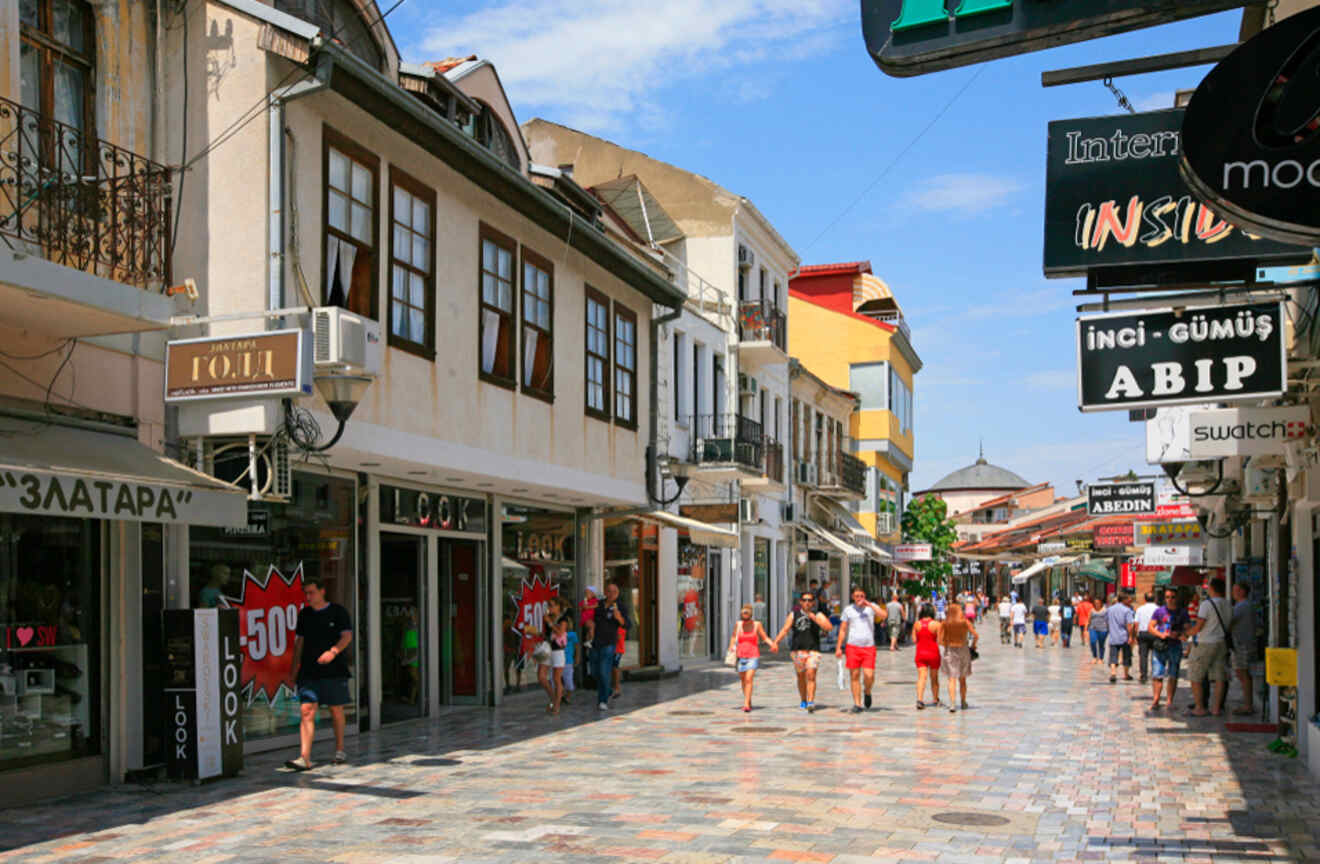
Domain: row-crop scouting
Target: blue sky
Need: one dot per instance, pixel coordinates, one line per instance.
(779, 101)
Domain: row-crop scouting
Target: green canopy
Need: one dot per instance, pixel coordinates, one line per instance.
(1098, 571)
(1164, 577)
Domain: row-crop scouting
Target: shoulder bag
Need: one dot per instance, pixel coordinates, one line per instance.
(1228, 634)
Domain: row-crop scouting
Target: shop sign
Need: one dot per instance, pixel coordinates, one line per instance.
(1110, 499)
(1109, 536)
(31, 636)
(529, 607)
(912, 552)
(268, 609)
(268, 364)
(913, 37)
(1113, 198)
(1246, 431)
(1051, 547)
(1168, 357)
(543, 546)
(1078, 544)
(258, 525)
(204, 717)
(98, 497)
(1127, 575)
(1163, 557)
(1251, 143)
(1163, 533)
(710, 513)
(441, 512)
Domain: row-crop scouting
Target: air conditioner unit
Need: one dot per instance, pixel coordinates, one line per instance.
(345, 340)
(745, 257)
(807, 474)
(1260, 486)
(746, 510)
(747, 385)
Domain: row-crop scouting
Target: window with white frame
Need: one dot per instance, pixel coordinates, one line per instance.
(870, 381)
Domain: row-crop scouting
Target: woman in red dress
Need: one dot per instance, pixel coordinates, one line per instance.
(927, 633)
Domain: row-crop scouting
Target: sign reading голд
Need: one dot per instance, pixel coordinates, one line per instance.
(260, 364)
(912, 37)
(1169, 357)
(1109, 499)
(1251, 144)
(1113, 198)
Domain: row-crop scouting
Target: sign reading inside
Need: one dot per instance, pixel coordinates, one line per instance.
(1109, 499)
(260, 364)
(1168, 357)
(1251, 141)
(1114, 199)
(1245, 431)
(912, 37)
(912, 552)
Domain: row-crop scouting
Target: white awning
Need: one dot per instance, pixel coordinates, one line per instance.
(856, 531)
(1041, 565)
(833, 540)
(54, 470)
(903, 568)
(700, 533)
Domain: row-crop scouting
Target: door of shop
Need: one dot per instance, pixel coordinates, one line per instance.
(404, 668)
(649, 609)
(715, 604)
(460, 581)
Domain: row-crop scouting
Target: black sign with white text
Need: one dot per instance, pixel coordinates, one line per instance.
(1251, 140)
(1193, 355)
(1112, 499)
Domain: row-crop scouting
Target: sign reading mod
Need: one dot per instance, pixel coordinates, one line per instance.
(912, 552)
(277, 363)
(1245, 431)
(1168, 357)
(1251, 144)
(912, 37)
(1113, 198)
(1109, 499)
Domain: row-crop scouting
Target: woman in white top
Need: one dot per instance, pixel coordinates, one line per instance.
(1056, 618)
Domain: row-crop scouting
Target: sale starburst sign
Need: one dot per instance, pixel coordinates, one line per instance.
(529, 609)
(267, 620)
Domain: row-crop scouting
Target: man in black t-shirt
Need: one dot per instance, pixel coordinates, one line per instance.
(1040, 617)
(806, 626)
(320, 669)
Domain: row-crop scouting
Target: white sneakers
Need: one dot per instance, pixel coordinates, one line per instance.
(603, 707)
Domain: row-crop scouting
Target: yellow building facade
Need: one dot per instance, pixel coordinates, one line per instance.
(847, 327)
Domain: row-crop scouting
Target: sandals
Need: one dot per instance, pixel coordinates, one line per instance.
(921, 706)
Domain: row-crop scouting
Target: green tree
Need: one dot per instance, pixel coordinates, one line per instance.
(926, 521)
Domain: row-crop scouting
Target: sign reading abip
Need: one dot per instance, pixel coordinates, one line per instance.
(1176, 356)
(913, 37)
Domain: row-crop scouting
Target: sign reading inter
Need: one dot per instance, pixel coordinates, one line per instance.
(1170, 357)
(913, 37)
(1129, 499)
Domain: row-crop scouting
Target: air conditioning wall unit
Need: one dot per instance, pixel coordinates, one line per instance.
(747, 385)
(746, 258)
(1260, 486)
(808, 474)
(344, 340)
(746, 510)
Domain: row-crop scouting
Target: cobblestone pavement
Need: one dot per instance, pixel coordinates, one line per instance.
(1052, 763)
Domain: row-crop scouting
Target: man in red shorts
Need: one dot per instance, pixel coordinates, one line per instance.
(857, 637)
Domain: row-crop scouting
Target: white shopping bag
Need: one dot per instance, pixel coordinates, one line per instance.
(843, 673)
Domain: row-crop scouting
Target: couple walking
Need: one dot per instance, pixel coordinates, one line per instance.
(952, 634)
(806, 624)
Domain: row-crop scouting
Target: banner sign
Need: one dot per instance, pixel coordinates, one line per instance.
(1109, 536)
(441, 512)
(1246, 431)
(1079, 544)
(268, 607)
(101, 496)
(1169, 357)
(1113, 198)
(1051, 547)
(1110, 499)
(913, 37)
(202, 693)
(710, 513)
(1164, 533)
(912, 552)
(268, 364)
(1251, 143)
(1164, 557)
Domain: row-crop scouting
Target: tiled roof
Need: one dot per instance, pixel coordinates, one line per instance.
(443, 66)
(833, 269)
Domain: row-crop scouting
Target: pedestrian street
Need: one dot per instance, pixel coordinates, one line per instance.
(1051, 763)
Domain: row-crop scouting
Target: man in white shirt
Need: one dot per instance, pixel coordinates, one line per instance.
(1005, 621)
(1145, 641)
(1210, 656)
(1018, 613)
(857, 633)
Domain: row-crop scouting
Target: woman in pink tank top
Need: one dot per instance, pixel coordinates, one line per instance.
(746, 642)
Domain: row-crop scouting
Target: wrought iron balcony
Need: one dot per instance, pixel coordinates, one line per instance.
(82, 202)
(727, 438)
(844, 473)
(762, 321)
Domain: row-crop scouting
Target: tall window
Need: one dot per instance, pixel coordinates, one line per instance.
(763, 285)
(677, 385)
(350, 225)
(598, 354)
(55, 63)
(696, 378)
(717, 384)
(779, 409)
(900, 401)
(412, 284)
(498, 337)
(870, 382)
(796, 422)
(538, 356)
(625, 366)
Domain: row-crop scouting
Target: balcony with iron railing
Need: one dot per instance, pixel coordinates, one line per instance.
(762, 333)
(772, 467)
(727, 440)
(895, 318)
(843, 476)
(82, 202)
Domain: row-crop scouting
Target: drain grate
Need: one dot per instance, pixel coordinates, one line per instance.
(757, 730)
(689, 713)
(981, 820)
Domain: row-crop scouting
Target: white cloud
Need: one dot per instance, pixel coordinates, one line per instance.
(1155, 101)
(962, 194)
(595, 62)
(1052, 380)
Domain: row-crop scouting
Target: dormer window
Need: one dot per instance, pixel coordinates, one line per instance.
(497, 139)
(342, 21)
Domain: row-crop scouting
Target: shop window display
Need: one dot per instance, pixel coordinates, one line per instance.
(259, 570)
(760, 578)
(692, 579)
(50, 633)
(539, 562)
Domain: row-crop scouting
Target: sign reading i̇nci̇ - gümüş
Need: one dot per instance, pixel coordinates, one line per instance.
(1176, 356)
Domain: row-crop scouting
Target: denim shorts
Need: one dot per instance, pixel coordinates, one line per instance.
(324, 691)
(1166, 662)
(748, 664)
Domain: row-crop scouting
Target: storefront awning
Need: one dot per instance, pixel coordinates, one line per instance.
(903, 568)
(1098, 571)
(700, 533)
(54, 470)
(1045, 564)
(831, 539)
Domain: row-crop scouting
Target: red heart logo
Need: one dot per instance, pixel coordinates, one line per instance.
(24, 635)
